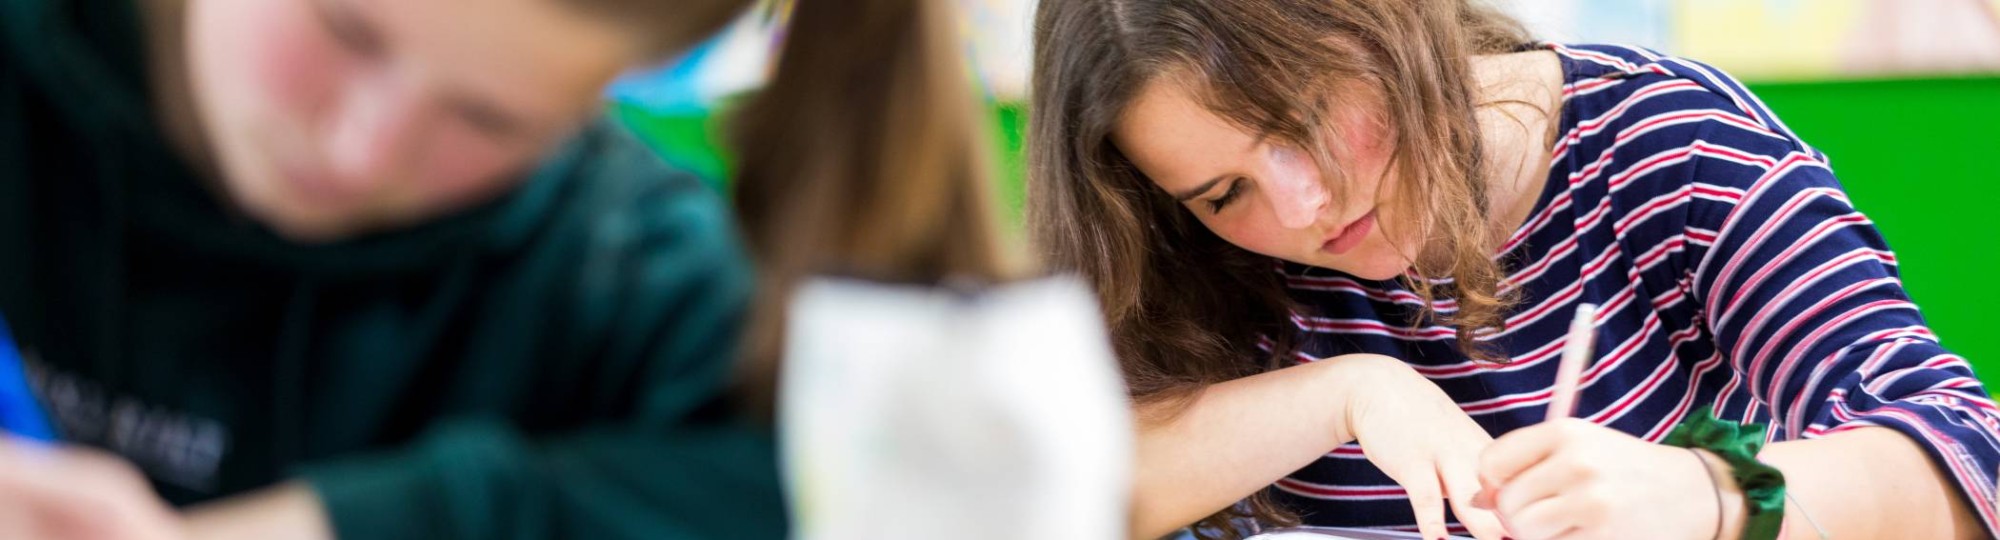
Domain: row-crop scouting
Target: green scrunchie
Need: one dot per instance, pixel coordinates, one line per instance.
(1737, 444)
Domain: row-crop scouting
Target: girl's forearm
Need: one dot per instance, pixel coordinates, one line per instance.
(1870, 482)
(1237, 437)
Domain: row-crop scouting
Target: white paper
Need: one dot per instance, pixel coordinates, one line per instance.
(912, 412)
(1326, 533)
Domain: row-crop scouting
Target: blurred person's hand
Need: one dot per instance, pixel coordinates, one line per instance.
(56, 492)
(290, 510)
(59, 492)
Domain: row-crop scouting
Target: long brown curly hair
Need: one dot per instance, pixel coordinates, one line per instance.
(1187, 309)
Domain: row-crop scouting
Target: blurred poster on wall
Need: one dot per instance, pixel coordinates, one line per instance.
(1758, 40)
(1816, 39)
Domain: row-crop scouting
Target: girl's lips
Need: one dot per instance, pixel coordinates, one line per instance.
(1351, 236)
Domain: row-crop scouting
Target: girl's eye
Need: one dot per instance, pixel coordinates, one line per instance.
(1216, 205)
(488, 120)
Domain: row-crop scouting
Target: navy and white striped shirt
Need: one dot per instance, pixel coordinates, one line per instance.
(1730, 270)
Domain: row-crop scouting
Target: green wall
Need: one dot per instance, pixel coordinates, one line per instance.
(1920, 157)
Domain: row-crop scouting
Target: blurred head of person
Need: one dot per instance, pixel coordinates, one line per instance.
(327, 119)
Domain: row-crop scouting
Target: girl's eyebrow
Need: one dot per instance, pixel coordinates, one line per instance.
(1184, 196)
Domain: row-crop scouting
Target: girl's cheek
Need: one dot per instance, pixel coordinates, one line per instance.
(294, 64)
(1252, 230)
(464, 168)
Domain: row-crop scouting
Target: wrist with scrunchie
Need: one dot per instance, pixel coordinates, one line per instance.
(1737, 444)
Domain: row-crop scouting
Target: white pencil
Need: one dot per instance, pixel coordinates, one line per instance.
(1576, 356)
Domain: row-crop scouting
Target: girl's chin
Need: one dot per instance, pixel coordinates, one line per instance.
(1370, 265)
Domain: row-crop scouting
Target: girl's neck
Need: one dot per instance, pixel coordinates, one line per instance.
(1519, 97)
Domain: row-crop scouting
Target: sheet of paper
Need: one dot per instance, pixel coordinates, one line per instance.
(917, 412)
(1327, 533)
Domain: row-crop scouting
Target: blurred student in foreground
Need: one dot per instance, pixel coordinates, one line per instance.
(374, 269)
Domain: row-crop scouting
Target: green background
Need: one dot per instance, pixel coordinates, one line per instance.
(1920, 156)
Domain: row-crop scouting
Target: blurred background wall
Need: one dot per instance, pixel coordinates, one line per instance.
(1902, 95)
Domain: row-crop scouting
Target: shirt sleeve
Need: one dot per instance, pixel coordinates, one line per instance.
(1802, 295)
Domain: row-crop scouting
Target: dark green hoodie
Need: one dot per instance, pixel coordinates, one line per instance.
(551, 364)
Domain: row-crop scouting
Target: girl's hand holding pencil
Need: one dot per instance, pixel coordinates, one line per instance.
(1570, 478)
